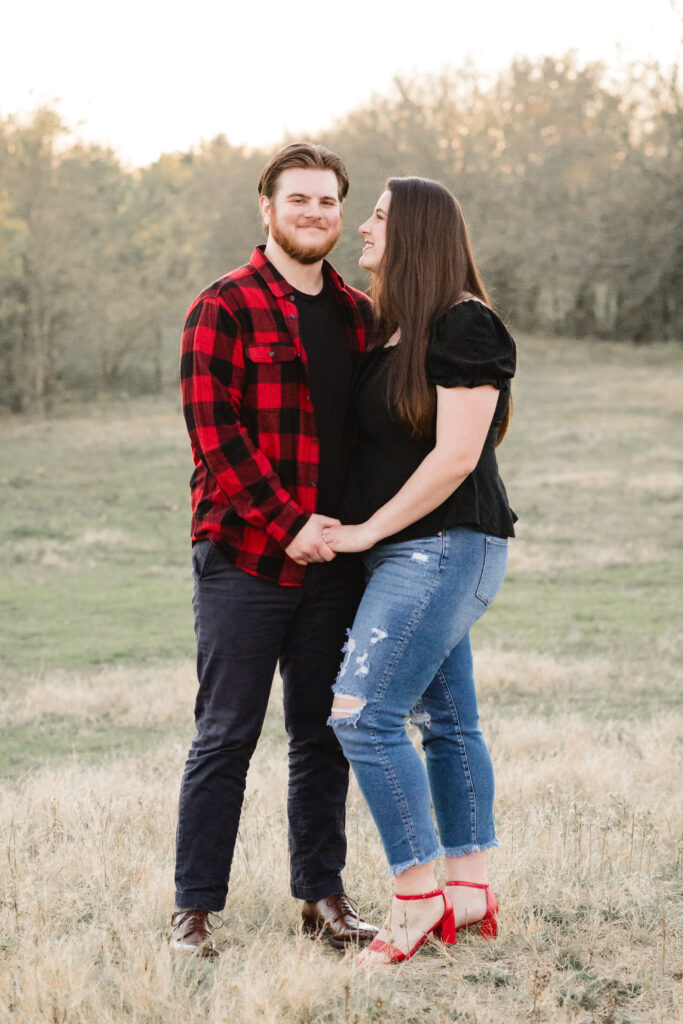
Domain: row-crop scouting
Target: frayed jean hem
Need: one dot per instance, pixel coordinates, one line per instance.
(398, 869)
(465, 851)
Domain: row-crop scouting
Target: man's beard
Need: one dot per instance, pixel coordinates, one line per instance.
(302, 254)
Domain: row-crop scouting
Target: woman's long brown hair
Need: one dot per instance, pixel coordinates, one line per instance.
(428, 264)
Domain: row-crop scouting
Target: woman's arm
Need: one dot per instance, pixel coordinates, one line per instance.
(463, 419)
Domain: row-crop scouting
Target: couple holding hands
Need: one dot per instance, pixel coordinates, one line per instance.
(347, 508)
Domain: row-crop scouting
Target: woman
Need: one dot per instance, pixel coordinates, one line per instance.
(433, 520)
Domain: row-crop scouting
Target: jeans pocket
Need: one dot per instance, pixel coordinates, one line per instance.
(203, 555)
(494, 568)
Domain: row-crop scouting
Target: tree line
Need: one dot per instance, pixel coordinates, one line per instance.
(569, 176)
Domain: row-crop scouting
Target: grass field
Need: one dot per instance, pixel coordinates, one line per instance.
(579, 670)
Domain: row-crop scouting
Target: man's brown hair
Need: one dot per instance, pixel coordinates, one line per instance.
(302, 154)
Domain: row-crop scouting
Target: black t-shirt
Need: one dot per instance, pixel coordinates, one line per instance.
(330, 374)
(469, 346)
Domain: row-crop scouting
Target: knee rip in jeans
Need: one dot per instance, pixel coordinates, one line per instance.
(347, 708)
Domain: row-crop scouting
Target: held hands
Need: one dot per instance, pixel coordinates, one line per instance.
(323, 537)
(309, 545)
(350, 538)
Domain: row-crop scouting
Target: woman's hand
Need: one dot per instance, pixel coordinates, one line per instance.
(350, 538)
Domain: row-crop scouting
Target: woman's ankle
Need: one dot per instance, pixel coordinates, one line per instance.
(471, 868)
(416, 881)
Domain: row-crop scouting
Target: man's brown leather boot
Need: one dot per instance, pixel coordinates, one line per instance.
(191, 933)
(336, 920)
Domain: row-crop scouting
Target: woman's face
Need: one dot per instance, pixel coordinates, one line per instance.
(374, 234)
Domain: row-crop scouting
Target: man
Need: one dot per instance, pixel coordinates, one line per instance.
(266, 370)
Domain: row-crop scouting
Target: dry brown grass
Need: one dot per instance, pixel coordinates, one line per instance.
(158, 695)
(585, 877)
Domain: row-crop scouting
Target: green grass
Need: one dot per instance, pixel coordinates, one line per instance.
(23, 748)
(620, 612)
(94, 521)
(94, 525)
(91, 616)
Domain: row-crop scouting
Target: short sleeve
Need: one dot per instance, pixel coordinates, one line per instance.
(470, 346)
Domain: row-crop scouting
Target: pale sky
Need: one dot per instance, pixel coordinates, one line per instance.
(146, 77)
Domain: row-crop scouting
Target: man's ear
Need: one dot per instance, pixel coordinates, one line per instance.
(265, 206)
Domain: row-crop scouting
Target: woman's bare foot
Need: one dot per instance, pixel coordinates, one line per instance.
(406, 923)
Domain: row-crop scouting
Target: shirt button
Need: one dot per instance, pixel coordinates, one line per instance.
(292, 316)
(272, 352)
(292, 298)
(314, 483)
(314, 440)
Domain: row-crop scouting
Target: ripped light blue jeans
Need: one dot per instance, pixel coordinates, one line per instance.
(408, 655)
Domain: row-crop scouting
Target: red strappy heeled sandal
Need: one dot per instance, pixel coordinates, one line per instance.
(489, 922)
(444, 929)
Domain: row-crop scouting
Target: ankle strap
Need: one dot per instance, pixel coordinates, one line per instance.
(471, 885)
(420, 895)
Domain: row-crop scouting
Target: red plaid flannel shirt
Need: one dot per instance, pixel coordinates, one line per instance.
(247, 405)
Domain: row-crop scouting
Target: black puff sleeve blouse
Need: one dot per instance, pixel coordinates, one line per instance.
(468, 347)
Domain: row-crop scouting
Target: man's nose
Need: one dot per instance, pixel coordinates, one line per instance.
(314, 209)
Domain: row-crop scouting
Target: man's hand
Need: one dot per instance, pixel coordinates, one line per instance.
(308, 545)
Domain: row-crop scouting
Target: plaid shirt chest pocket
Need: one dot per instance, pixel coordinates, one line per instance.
(271, 352)
(275, 362)
(274, 376)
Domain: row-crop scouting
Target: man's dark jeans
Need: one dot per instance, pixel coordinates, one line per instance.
(244, 625)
